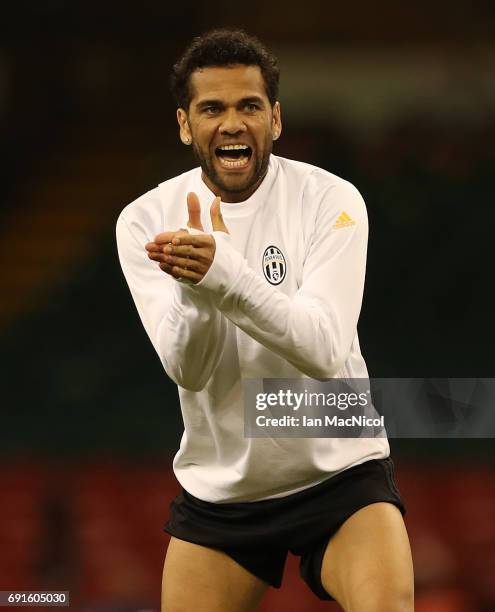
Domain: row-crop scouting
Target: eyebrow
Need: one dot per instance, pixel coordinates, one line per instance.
(251, 100)
(242, 102)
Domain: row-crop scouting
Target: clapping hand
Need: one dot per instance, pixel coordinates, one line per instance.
(184, 255)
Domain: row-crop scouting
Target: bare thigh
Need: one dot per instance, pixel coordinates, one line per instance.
(207, 580)
(367, 565)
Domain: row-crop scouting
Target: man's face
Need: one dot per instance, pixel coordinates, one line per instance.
(232, 127)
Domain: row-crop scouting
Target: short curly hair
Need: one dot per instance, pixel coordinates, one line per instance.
(223, 47)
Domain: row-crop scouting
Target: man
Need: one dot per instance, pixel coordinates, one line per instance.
(266, 282)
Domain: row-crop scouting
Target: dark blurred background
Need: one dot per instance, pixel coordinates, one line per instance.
(398, 98)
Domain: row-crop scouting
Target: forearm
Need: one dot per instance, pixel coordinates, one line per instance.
(313, 330)
(184, 326)
(190, 338)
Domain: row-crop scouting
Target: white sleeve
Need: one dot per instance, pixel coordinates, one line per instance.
(184, 326)
(315, 328)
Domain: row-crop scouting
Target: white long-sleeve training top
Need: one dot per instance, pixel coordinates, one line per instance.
(281, 300)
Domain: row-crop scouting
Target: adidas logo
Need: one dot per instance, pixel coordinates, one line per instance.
(343, 221)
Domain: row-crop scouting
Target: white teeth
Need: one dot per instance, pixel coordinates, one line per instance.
(239, 163)
(230, 147)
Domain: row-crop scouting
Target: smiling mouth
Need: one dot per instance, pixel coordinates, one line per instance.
(234, 156)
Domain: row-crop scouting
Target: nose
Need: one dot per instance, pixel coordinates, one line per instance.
(232, 123)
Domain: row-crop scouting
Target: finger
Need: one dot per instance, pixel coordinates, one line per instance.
(177, 272)
(216, 217)
(157, 256)
(166, 268)
(201, 240)
(186, 264)
(169, 236)
(162, 252)
(164, 237)
(192, 252)
(167, 262)
(194, 210)
(152, 247)
(203, 255)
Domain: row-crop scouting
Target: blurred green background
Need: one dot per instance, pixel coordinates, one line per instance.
(397, 98)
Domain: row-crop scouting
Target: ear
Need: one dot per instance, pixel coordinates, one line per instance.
(184, 130)
(276, 121)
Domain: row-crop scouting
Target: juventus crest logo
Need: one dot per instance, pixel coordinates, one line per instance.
(274, 265)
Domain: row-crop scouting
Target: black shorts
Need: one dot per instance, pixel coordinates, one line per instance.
(258, 535)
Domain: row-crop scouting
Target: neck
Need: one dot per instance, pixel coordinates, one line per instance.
(231, 197)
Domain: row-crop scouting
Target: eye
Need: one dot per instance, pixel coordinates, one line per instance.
(251, 107)
(211, 110)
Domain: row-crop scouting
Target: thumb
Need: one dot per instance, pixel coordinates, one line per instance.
(216, 217)
(194, 210)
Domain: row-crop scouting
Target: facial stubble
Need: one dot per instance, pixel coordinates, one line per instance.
(258, 173)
